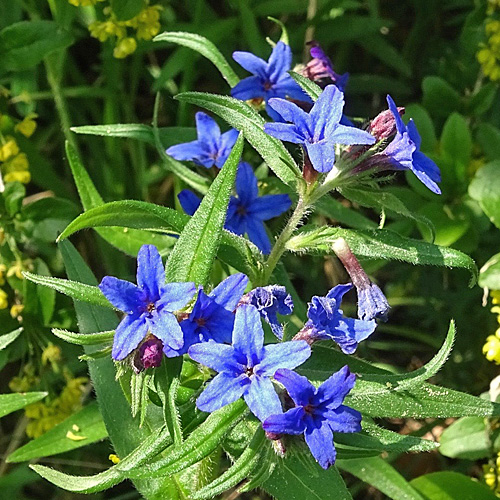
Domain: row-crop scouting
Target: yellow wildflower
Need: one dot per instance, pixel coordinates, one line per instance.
(23, 177)
(124, 47)
(4, 303)
(147, 22)
(16, 270)
(493, 5)
(27, 126)
(16, 310)
(495, 296)
(3, 268)
(8, 149)
(25, 382)
(52, 354)
(114, 458)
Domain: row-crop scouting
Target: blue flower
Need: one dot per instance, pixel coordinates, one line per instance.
(247, 210)
(271, 79)
(270, 300)
(319, 130)
(211, 148)
(404, 152)
(246, 367)
(212, 317)
(327, 321)
(318, 412)
(149, 305)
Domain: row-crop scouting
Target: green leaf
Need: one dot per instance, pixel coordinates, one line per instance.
(384, 244)
(84, 338)
(485, 189)
(481, 101)
(332, 208)
(128, 241)
(18, 400)
(192, 257)
(456, 145)
(291, 481)
(77, 291)
(313, 90)
(90, 426)
(126, 9)
(235, 250)
(242, 117)
(489, 275)
(378, 473)
(202, 442)
(203, 46)
(7, 338)
(488, 138)
(448, 485)
(24, 44)
(240, 470)
(424, 124)
(467, 438)
(440, 98)
(384, 200)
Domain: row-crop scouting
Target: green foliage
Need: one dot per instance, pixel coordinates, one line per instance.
(485, 189)
(14, 402)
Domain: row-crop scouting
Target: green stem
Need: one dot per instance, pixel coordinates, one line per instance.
(280, 245)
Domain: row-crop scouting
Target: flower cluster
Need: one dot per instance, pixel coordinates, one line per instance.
(223, 331)
(491, 474)
(489, 53)
(491, 348)
(146, 25)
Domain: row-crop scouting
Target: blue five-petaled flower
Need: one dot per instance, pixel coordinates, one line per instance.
(246, 367)
(149, 305)
(318, 412)
(404, 152)
(211, 148)
(326, 321)
(212, 317)
(270, 79)
(319, 130)
(247, 210)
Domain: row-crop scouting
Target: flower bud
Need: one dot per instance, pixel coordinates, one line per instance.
(149, 354)
(384, 124)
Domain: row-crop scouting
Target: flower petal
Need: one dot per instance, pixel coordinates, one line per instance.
(221, 391)
(163, 325)
(229, 292)
(176, 295)
(338, 292)
(400, 126)
(283, 355)
(261, 398)
(290, 112)
(188, 151)
(285, 132)
(219, 357)
(299, 388)
(320, 442)
(344, 419)
(257, 234)
(335, 388)
(189, 201)
(150, 271)
(288, 87)
(248, 88)
(280, 61)
(326, 113)
(350, 135)
(413, 133)
(269, 206)
(291, 422)
(208, 131)
(124, 295)
(251, 63)
(246, 183)
(129, 333)
(321, 154)
(248, 335)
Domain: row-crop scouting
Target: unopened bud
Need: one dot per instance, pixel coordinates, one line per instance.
(149, 354)
(384, 124)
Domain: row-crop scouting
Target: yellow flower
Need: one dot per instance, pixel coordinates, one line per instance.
(495, 296)
(16, 310)
(492, 6)
(17, 270)
(19, 163)
(23, 177)
(490, 476)
(3, 268)
(4, 303)
(124, 48)
(51, 354)
(147, 22)
(114, 458)
(8, 149)
(27, 126)
(491, 349)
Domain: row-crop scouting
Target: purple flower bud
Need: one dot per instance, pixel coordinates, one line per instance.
(149, 355)
(371, 300)
(384, 124)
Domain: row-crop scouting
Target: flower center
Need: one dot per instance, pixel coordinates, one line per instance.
(268, 85)
(200, 321)
(150, 307)
(249, 371)
(241, 210)
(309, 409)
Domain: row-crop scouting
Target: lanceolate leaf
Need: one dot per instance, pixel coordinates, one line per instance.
(127, 241)
(242, 117)
(77, 291)
(84, 338)
(381, 475)
(16, 401)
(192, 257)
(313, 90)
(82, 428)
(205, 47)
(384, 244)
(8, 338)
